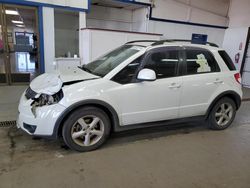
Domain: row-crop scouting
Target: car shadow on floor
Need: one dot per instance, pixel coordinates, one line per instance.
(116, 139)
(154, 133)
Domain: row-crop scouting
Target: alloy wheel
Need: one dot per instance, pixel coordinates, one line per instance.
(224, 114)
(87, 130)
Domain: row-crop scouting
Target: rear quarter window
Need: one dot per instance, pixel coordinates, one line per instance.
(227, 60)
(200, 61)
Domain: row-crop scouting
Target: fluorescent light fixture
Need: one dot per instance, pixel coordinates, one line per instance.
(17, 22)
(18, 25)
(11, 12)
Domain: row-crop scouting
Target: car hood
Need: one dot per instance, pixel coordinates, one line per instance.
(51, 83)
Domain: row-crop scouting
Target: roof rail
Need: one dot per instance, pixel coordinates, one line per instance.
(130, 42)
(180, 40)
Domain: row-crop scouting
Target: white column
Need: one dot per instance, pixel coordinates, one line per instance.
(49, 38)
(82, 24)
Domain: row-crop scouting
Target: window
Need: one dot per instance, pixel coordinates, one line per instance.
(163, 62)
(200, 61)
(126, 75)
(227, 60)
(108, 62)
(24, 38)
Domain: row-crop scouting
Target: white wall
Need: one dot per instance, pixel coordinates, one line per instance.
(99, 42)
(182, 31)
(233, 38)
(66, 33)
(70, 3)
(212, 12)
(82, 24)
(49, 38)
(144, 1)
(118, 19)
(199, 11)
(239, 16)
(140, 20)
(239, 13)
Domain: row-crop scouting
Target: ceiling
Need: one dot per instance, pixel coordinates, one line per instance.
(116, 4)
(27, 15)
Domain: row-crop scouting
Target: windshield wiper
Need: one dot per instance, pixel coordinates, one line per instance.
(88, 70)
(85, 69)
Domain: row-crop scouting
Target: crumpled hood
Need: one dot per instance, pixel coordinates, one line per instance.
(47, 84)
(51, 83)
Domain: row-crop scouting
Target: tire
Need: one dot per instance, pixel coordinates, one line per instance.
(86, 129)
(221, 117)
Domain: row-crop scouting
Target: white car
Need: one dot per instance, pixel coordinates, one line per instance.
(140, 84)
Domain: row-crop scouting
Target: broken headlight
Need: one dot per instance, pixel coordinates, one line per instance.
(45, 99)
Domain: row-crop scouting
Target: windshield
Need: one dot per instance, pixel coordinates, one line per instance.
(108, 62)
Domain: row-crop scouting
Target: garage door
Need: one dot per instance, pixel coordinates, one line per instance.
(246, 69)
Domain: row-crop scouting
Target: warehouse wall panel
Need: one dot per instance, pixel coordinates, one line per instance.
(109, 18)
(212, 12)
(182, 31)
(239, 13)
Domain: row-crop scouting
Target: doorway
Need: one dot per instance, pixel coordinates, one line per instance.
(19, 44)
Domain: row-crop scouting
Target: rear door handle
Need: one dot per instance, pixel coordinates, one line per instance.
(174, 85)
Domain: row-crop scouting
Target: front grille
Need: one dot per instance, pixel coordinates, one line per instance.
(30, 94)
(5, 124)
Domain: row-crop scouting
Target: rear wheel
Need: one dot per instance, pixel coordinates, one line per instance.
(86, 129)
(222, 114)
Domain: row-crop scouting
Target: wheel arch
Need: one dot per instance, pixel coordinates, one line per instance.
(230, 94)
(112, 114)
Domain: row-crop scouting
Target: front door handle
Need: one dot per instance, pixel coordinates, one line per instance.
(174, 85)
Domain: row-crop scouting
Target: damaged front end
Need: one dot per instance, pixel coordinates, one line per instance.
(40, 100)
(45, 99)
(45, 90)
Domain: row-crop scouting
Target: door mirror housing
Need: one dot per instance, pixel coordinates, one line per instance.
(146, 75)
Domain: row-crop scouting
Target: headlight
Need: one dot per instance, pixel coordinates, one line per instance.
(45, 99)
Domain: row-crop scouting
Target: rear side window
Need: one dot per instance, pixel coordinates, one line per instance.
(227, 60)
(199, 61)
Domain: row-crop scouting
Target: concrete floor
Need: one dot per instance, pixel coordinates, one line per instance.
(9, 98)
(188, 155)
(246, 93)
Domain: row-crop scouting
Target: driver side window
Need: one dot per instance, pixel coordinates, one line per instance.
(127, 74)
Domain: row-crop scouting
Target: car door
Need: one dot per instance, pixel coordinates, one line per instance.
(200, 81)
(149, 101)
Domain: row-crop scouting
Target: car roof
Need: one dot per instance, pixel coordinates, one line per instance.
(164, 43)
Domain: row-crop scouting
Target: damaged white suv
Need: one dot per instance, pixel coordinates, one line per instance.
(140, 84)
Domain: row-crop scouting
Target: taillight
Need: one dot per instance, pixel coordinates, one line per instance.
(237, 77)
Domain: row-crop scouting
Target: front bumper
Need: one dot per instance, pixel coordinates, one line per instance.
(41, 121)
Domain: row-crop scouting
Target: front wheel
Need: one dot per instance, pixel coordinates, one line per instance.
(222, 114)
(86, 129)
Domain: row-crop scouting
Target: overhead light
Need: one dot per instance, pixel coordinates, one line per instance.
(11, 12)
(18, 25)
(17, 22)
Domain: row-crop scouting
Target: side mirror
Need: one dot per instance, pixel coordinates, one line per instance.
(146, 75)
